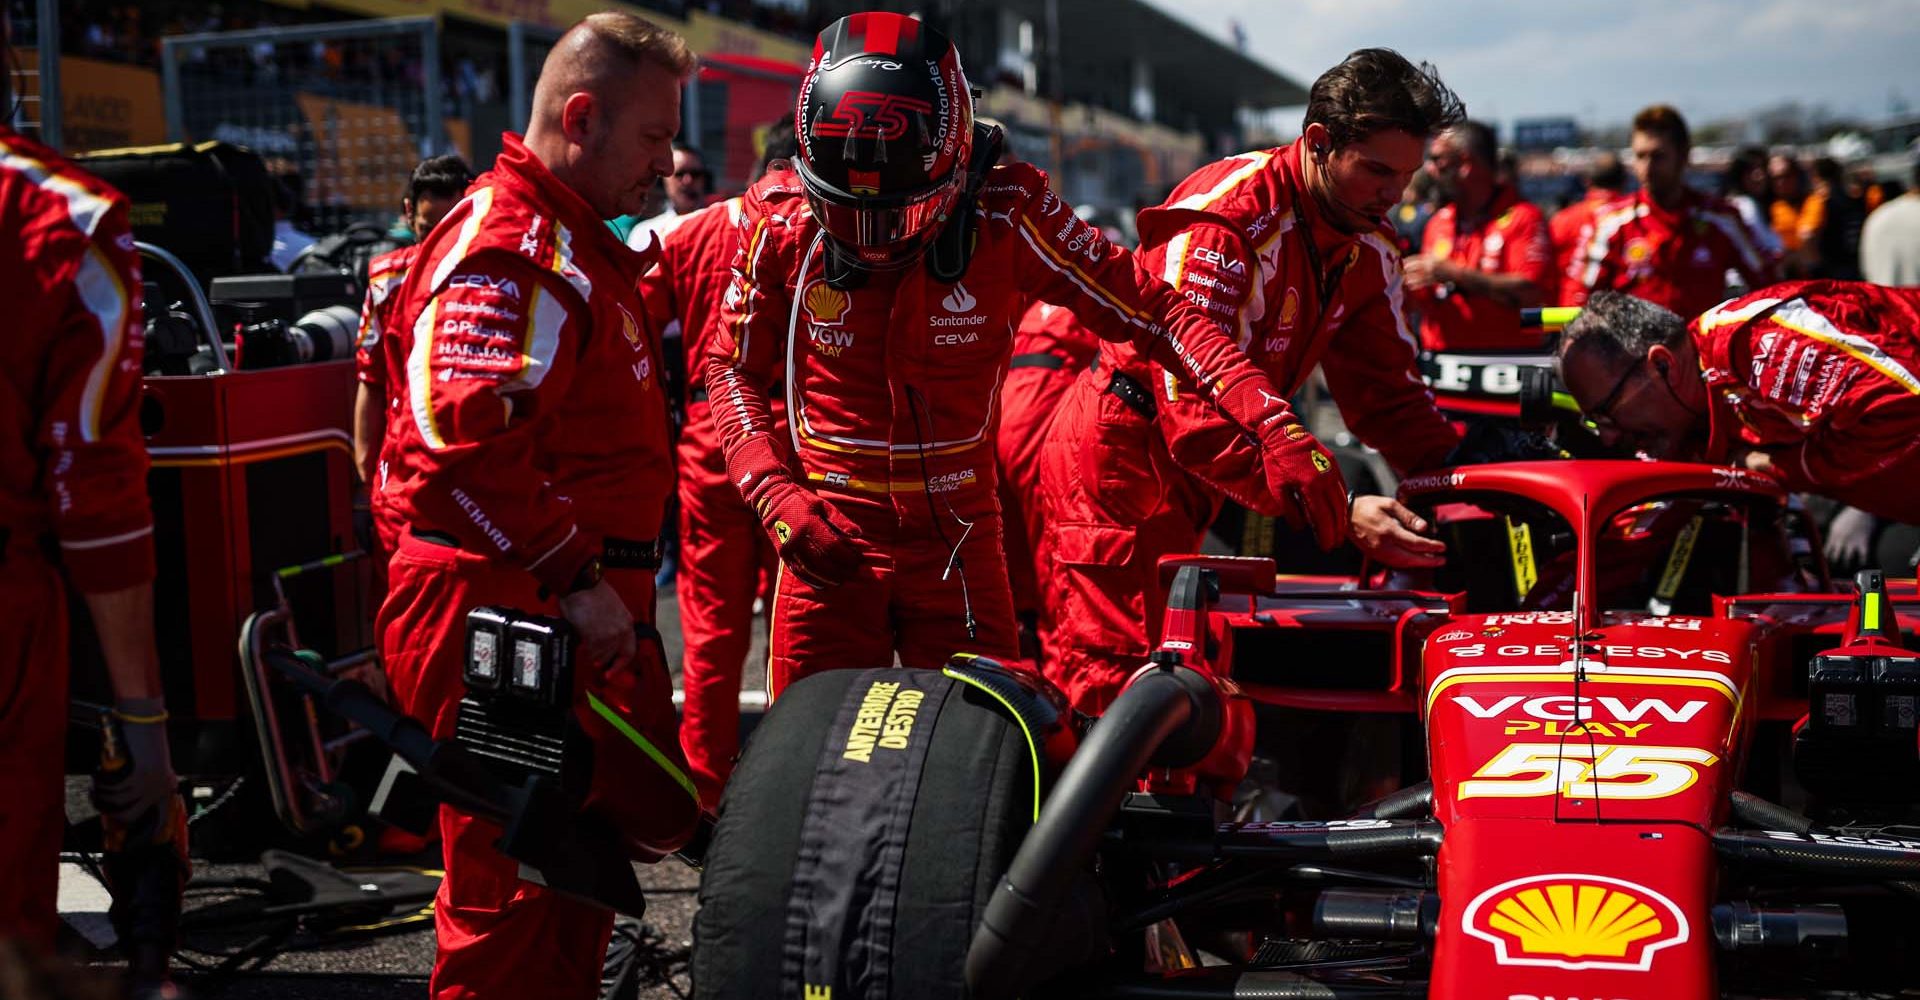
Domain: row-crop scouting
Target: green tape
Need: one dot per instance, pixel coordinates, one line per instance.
(626, 729)
(1870, 613)
(1033, 750)
(1565, 401)
(1559, 315)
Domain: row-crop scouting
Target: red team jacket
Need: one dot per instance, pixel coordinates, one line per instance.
(1675, 259)
(1571, 229)
(695, 270)
(73, 462)
(381, 350)
(1229, 237)
(1514, 240)
(1824, 376)
(876, 373)
(503, 447)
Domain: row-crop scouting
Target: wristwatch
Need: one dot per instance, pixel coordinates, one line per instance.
(589, 576)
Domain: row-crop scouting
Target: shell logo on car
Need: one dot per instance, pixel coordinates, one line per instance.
(1574, 921)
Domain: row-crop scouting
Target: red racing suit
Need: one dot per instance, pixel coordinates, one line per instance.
(723, 549)
(1128, 477)
(1823, 376)
(1050, 350)
(1571, 229)
(1512, 240)
(73, 479)
(1677, 259)
(892, 392)
(380, 350)
(536, 437)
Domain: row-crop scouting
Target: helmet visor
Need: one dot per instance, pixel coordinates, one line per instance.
(878, 231)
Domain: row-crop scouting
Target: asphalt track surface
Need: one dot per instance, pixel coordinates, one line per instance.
(395, 964)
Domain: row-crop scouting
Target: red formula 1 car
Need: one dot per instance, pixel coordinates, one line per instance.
(1581, 723)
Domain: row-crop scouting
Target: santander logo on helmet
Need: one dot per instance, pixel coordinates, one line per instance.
(885, 127)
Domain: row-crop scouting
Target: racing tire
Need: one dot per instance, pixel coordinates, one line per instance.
(831, 876)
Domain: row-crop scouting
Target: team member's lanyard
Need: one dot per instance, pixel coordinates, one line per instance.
(1325, 282)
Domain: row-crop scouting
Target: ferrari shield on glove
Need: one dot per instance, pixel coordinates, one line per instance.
(1299, 469)
(811, 537)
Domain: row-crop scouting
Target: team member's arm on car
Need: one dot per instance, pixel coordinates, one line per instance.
(813, 539)
(1077, 268)
(494, 349)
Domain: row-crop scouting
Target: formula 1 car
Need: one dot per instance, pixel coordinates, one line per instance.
(1604, 691)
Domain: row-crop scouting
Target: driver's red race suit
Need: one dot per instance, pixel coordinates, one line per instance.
(1050, 350)
(536, 438)
(73, 480)
(1824, 377)
(892, 396)
(1133, 470)
(723, 552)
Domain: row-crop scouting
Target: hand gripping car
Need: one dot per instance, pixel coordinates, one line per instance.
(1600, 696)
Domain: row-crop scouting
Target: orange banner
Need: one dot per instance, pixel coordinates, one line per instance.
(103, 105)
(363, 153)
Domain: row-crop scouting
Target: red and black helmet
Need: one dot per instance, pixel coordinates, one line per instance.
(885, 124)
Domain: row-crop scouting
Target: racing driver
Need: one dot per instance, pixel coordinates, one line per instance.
(881, 281)
(532, 473)
(1288, 251)
(1816, 383)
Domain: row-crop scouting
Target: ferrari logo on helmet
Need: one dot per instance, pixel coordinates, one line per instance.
(1569, 921)
(864, 182)
(826, 305)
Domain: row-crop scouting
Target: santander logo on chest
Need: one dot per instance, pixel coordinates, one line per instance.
(961, 323)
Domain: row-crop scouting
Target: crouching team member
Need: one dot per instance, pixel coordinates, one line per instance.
(1287, 250)
(435, 186)
(1816, 383)
(723, 552)
(533, 471)
(881, 284)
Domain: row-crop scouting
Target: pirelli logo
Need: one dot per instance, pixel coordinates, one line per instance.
(884, 722)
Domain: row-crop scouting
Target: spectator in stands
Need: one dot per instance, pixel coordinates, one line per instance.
(1667, 243)
(1486, 254)
(1890, 240)
(1744, 186)
(1787, 181)
(1572, 226)
(1830, 224)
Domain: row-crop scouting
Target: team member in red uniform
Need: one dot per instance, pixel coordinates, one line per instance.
(73, 494)
(1485, 254)
(882, 284)
(1816, 383)
(532, 472)
(1667, 243)
(723, 552)
(437, 183)
(1288, 250)
(1050, 350)
(1572, 226)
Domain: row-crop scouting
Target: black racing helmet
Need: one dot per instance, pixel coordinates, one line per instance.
(885, 124)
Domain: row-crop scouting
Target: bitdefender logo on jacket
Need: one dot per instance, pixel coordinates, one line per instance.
(959, 305)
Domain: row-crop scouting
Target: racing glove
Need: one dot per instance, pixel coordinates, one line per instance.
(147, 782)
(1299, 469)
(813, 539)
(1850, 538)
